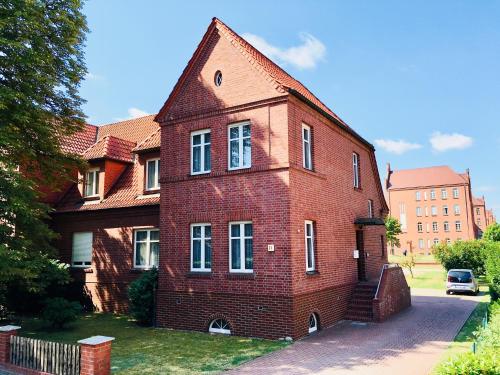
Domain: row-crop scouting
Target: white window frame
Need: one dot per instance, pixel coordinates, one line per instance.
(417, 195)
(421, 244)
(458, 226)
(85, 263)
(446, 226)
(433, 194)
(446, 210)
(202, 147)
(370, 208)
(355, 170)
(420, 227)
(436, 241)
(203, 240)
(240, 140)
(425, 195)
(156, 184)
(95, 187)
(312, 266)
(148, 264)
(455, 193)
(313, 328)
(306, 155)
(419, 211)
(224, 330)
(444, 194)
(434, 211)
(435, 226)
(456, 209)
(242, 238)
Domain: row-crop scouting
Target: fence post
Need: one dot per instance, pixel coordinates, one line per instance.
(5, 333)
(95, 355)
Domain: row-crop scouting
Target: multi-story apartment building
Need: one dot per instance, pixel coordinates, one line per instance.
(265, 216)
(433, 205)
(479, 212)
(490, 218)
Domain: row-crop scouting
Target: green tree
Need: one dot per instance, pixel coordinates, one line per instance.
(409, 263)
(41, 67)
(492, 233)
(393, 230)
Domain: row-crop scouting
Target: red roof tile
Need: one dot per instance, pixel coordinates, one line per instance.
(150, 143)
(110, 147)
(267, 66)
(422, 177)
(477, 201)
(80, 141)
(134, 130)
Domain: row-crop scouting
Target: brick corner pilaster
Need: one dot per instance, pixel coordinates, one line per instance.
(96, 355)
(5, 333)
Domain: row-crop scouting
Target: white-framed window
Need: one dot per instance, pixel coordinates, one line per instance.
(219, 326)
(82, 249)
(444, 194)
(201, 159)
(420, 227)
(455, 193)
(419, 211)
(201, 247)
(478, 211)
(446, 226)
(91, 188)
(146, 247)
(436, 241)
(445, 210)
(420, 243)
(402, 216)
(370, 208)
(458, 226)
(426, 211)
(417, 195)
(434, 210)
(313, 323)
(153, 174)
(425, 195)
(456, 209)
(434, 226)
(355, 169)
(309, 244)
(306, 147)
(241, 246)
(239, 146)
(433, 194)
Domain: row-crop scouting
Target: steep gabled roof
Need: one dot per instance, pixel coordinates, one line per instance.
(282, 80)
(110, 147)
(134, 130)
(425, 177)
(477, 201)
(152, 142)
(80, 141)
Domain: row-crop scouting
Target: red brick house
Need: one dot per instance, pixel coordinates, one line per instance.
(267, 198)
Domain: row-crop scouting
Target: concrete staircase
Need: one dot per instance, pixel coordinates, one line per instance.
(360, 306)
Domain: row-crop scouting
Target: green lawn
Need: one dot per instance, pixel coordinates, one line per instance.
(138, 350)
(419, 258)
(426, 277)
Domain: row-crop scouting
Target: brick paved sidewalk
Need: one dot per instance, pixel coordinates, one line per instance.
(410, 343)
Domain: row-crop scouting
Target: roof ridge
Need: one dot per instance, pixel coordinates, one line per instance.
(122, 121)
(138, 145)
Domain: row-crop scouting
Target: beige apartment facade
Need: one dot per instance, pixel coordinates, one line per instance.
(434, 205)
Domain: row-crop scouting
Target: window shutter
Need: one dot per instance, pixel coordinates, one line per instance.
(82, 248)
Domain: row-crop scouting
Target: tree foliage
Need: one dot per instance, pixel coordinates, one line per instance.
(463, 254)
(393, 230)
(41, 67)
(409, 263)
(141, 295)
(492, 266)
(492, 233)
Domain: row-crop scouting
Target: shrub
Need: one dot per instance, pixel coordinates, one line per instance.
(59, 311)
(408, 262)
(462, 254)
(493, 269)
(492, 233)
(141, 295)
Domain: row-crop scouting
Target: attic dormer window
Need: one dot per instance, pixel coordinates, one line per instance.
(218, 78)
(152, 174)
(92, 183)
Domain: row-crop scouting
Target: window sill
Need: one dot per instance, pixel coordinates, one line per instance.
(199, 275)
(358, 189)
(140, 270)
(312, 273)
(92, 198)
(240, 275)
(151, 191)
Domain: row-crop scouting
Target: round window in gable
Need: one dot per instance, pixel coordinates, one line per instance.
(218, 78)
(219, 326)
(313, 323)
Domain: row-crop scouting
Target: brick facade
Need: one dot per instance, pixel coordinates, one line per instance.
(393, 294)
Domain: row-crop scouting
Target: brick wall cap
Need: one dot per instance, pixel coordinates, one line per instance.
(96, 340)
(9, 328)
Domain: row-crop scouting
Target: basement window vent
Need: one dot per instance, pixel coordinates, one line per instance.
(218, 78)
(313, 323)
(220, 326)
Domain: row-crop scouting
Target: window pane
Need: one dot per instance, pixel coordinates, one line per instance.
(197, 139)
(235, 230)
(151, 174)
(153, 260)
(208, 231)
(141, 235)
(235, 254)
(246, 131)
(208, 254)
(207, 137)
(309, 252)
(154, 235)
(208, 161)
(306, 134)
(235, 151)
(196, 253)
(234, 132)
(197, 231)
(141, 249)
(196, 159)
(308, 229)
(247, 152)
(307, 158)
(249, 254)
(248, 230)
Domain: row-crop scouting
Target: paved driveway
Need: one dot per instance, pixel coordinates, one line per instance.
(409, 343)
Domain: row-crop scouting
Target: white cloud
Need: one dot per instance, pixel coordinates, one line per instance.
(486, 188)
(397, 147)
(133, 113)
(93, 77)
(303, 56)
(444, 142)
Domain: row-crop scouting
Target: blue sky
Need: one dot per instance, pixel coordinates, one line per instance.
(420, 80)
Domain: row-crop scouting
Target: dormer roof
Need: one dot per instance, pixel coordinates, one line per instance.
(112, 148)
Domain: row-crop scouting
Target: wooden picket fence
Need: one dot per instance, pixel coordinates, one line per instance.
(52, 357)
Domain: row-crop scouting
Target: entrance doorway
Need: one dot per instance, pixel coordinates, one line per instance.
(361, 259)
